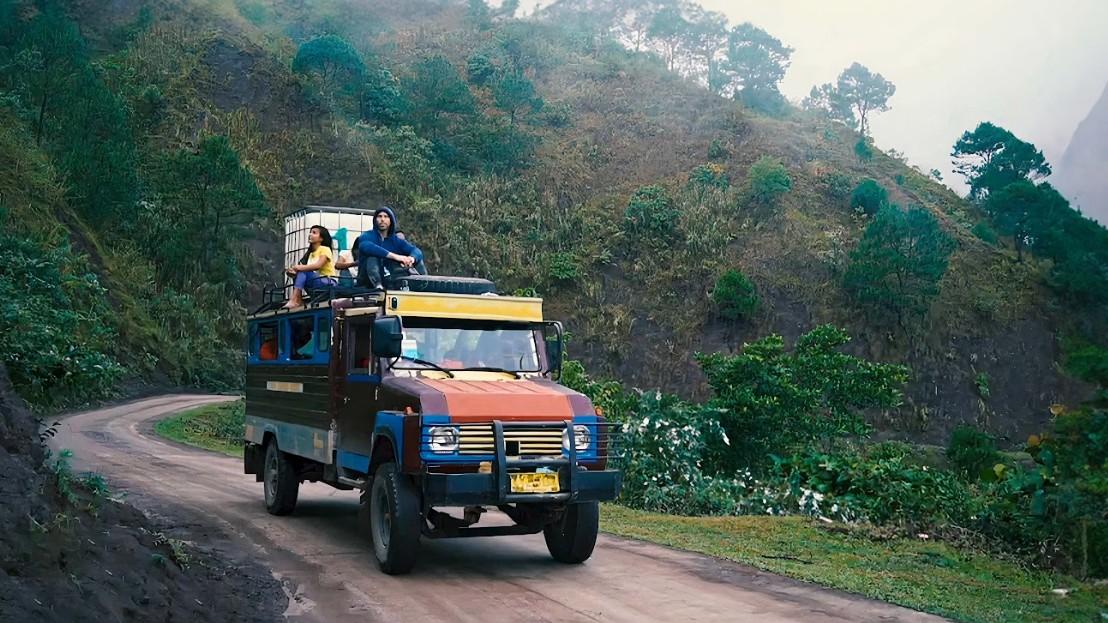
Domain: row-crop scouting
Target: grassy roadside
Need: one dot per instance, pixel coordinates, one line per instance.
(928, 576)
(216, 427)
(923, 575)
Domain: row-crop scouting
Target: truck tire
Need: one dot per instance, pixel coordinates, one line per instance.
(282, 484)
(394, 520)
(572, 538)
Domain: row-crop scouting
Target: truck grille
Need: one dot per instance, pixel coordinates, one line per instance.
(518, 441)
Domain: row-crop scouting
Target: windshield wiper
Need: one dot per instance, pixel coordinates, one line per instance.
(489, 369)
(424, 362)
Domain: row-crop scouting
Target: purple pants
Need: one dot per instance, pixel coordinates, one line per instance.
(311, 279)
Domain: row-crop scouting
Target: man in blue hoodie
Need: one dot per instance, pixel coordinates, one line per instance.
(383, 254)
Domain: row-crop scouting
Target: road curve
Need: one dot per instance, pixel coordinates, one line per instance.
(327, 567)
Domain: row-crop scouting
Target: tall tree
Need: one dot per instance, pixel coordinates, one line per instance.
(758, 61)
(436, 89)
(856, 94)
(206, 201)
(514, 92)
(899, 262)
(707, 38)
(381, 101)
(332, 61)
(671, 31)
(76, 118)
(1021, 210)
(991, 157)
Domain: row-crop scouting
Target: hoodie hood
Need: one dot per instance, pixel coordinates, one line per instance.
(393, 224)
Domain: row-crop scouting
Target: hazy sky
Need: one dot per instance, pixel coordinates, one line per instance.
(1033, 67)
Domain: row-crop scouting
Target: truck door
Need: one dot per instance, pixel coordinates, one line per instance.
(359, 379)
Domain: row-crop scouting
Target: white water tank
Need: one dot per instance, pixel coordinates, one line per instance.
(345, 225)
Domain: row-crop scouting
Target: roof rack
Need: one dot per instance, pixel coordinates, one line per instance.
(274, 297)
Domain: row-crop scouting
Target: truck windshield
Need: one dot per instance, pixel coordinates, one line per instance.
(458, 346)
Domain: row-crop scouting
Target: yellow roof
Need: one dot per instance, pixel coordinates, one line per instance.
(460, 306)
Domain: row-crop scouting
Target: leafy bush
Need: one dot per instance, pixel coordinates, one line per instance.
(984, 232)
(735, 296)
(562, 267)
(863, 150)
(836, 185)
(767, 181)
(55, 325)
(664, 448)
(558, 115)
(1089, 362)
(200, 330)
(480, 69)
(1055, 511)
(709, 176)
(774, 401)
(972, 453)
(884, 490)
(716, 150)
(651, 214)
(610, 396)
(869, 197)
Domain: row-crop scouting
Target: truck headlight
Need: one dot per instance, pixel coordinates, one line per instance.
(444, 439)
(581, 438)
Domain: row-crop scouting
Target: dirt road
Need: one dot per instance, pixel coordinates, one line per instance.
(328, 570)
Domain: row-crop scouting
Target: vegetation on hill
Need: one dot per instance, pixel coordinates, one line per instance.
(622, 161)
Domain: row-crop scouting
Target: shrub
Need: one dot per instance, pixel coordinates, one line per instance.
(984, 232)
(1055, 512)
(56, 331)
(863, 150)
(735, 296)
(716, 150)
(774, 401)
(651, 214)
(709, 176)
(767, 181)
(972, 453)
(480, 69)
(836, 185)
(884, 490)
(869, 197)
(558, 115)
(562, 267)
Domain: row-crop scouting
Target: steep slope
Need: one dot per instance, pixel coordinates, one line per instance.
(1080, 173)
(611, 122)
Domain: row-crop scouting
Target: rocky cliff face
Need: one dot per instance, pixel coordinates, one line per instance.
(1082, 174)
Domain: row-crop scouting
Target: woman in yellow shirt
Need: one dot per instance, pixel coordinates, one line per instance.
(316, 269)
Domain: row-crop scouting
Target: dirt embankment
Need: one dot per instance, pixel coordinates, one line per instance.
(69, 553)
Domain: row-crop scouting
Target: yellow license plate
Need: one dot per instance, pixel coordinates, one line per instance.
(535, 483)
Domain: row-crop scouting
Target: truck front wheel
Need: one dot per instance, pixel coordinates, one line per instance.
(282, 484)
(572, 538)
(394, 520)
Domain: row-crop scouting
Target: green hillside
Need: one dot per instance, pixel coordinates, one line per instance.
(540, 153)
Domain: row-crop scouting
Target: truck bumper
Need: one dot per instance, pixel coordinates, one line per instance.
(490, 489)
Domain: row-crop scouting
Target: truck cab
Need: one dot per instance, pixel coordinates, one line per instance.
(435, 406)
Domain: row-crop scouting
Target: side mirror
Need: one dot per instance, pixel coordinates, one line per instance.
(554, 349)
(388, 334)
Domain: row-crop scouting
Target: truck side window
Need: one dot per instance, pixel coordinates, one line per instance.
(323, 334)
(263, 344)
(303, 344)
(362, 352)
